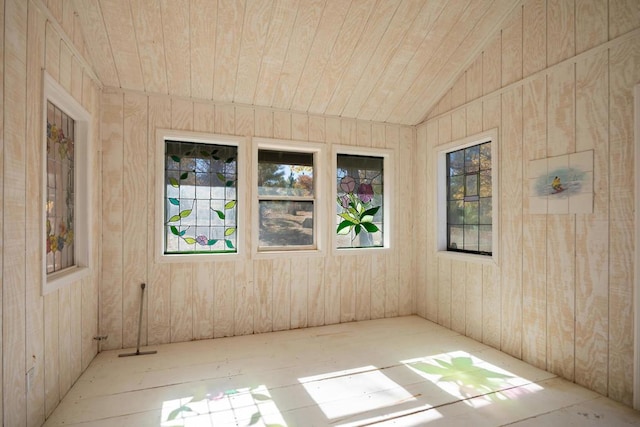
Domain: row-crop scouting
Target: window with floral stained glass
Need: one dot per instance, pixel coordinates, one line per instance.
(60, 190)
(469, 202)
(200, 198)
(67, 220)
(360, 201)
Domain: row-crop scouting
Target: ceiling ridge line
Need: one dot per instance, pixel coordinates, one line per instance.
(425, 65)
(474, 55)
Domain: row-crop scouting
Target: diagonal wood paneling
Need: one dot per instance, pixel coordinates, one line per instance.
(385, 60)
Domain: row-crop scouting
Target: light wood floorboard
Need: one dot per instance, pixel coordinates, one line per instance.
(403, 371)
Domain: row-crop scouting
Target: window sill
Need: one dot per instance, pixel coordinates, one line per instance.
(204, 257)
(374, 250)
(461, 256)
(55, 281)
(275, 254)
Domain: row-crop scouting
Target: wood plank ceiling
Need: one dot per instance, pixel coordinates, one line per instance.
(382, 60)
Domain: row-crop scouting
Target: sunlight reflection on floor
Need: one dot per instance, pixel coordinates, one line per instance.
(244, 406)
(466, 376)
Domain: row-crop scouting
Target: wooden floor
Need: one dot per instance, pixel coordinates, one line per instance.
(403, 371)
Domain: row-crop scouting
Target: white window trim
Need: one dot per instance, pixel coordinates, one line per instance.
(83, 216)
(207, 138)
(319, 215)
(441, 196)
(389, 168)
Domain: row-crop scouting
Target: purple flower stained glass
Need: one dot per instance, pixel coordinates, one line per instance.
(359, 201)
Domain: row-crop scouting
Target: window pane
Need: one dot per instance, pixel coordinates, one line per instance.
(471, 238)
(360, 198)
(456, 212)
(485, 238)
(455, 163)
(472, 159)
(485, 156)
(200, 198)
(471, 212)
(456, 188)
(286, 223)
(485, 183)
(455, 238)
(60, 205)
(471, 185)
(284, 173)
(485, 211)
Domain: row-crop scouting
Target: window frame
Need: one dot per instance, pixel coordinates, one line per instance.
(83, 216)
(319, 215)
(388, 167)
(163, 135)
(440, 158)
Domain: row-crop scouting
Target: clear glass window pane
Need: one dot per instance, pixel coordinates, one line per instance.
(360, 200)
(471, 212)
(471, 185)
(456, 188)
(455, 163)
(200, 198)
(485, 183)
(285, 223)
(456, 237)
(472, 159)
(285, 173)
(456, 212)
(485, 238)
(485, 211)
(485, 156)
(60, 205)
(471, 237)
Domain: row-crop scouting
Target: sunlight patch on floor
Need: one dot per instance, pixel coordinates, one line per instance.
(244, 406)
(466, 376)
(343, 393)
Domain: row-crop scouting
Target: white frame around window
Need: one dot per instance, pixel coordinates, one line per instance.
(388, 171)
(441, 195)
(163, 135)
(57, 95)
(319, 219)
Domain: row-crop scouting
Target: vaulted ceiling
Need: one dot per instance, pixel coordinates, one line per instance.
(382, 60)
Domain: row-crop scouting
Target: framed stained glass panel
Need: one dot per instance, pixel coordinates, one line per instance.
(200, 198)
(469, 202)
(67, 176)
(60, 204)
(360, 201)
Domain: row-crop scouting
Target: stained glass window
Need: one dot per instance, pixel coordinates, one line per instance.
(360, 199)
(286, 200)
(469, 207)
(60, 198)
(201, 198)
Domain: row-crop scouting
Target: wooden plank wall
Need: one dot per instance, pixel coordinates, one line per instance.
(557, 78)
(189, 301)
(51, 335)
